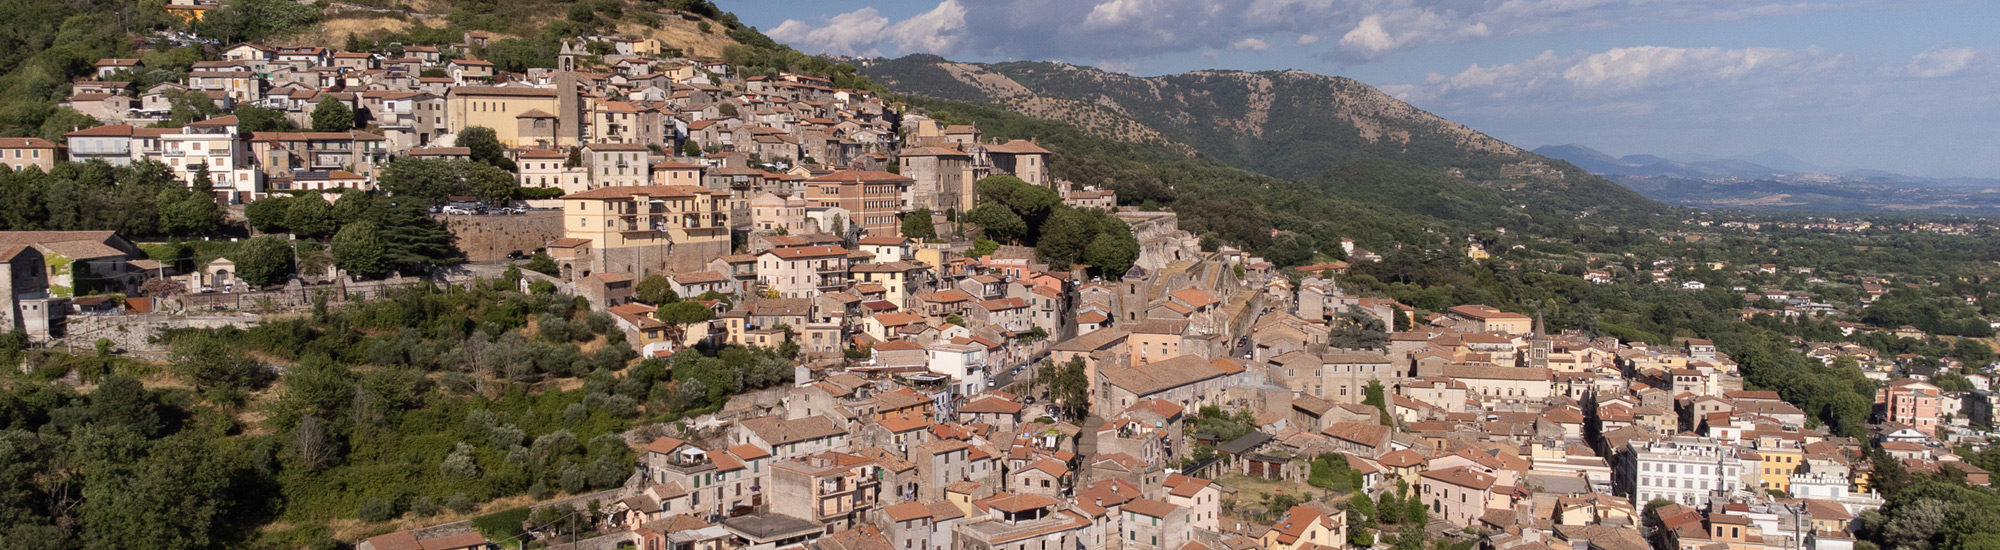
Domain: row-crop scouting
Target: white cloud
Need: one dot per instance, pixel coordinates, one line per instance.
(853, 33)
(1379, 34)
(1649, 66)
(1940, 62)
(1252, 44)
(1623, 71)
(1308, 39)
(1125, 67)
(865, 31)
(937, 31)
(1118, 12)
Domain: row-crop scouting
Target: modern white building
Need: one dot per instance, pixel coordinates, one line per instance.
(964, 363)
(213, 143)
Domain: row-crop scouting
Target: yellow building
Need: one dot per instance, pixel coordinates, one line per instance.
(1777, 464)
(503, 110)
(644, 229)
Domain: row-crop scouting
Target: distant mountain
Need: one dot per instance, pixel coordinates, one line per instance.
(1780, 160)
(1601, 163)
(1289, 124)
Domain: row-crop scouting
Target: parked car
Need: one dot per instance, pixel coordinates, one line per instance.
(457, 210)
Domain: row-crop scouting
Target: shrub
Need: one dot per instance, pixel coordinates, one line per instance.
(377, 510)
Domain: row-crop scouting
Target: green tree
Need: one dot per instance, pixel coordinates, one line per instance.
(414, 241)
(178, 496)
(679, 315)
(431, 180)
(1065, 235)
(332, 116)
(1289, 249)
(188, 213)
(726, 109)
(691, 148)
(263, 261)
(655, 290)
(124, 402)
(982, 247)
(352, 205)
(206, 361)
(1112, 254)
(358, 249)
(311, 217)
(918, 224)
(485, 147)
(253, 118)
(999, 222)
(268, 214)
(1375, 398)
(1069, 389)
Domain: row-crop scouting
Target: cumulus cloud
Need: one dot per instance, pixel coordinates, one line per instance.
(938, 30)
(1617, 72)
(1940, 62)
(853, 33)
(1380, 34)
(865, 32)
(1251, 44)
(1354, 30)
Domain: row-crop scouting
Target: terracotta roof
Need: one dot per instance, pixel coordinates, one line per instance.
(1184, 486)
(1150, 508)
(1008, 502)
(21, 143)
(801, 252)
(1461, 476)
(1018, 147)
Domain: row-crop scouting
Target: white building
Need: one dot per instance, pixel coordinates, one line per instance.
(1686, 470)
(213, 143)
(964, 363)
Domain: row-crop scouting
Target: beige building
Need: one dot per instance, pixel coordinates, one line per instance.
(642, 230)
(771, 213)
(875, 200)
(23, 153)
(1459, 495)
(503, 109)
(617, 164)
(1479, 318)
(549, 168)
(676, 173)
(803, 271)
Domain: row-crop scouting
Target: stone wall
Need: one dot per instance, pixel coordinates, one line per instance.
(641, 261)
(490, 238)
(1161, 240)
(138, 333)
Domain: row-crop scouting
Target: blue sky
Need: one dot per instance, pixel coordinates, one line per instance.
(1910, 86)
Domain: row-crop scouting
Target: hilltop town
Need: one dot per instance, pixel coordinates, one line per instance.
(800, 315)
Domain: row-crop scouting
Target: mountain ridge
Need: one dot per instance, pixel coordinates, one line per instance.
(1291, 124)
